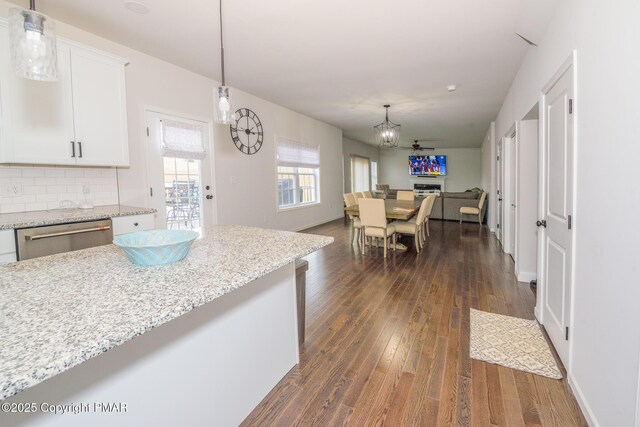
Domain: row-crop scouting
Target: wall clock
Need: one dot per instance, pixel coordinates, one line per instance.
(247, 132)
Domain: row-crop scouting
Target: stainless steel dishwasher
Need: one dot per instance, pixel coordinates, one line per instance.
(54, 239)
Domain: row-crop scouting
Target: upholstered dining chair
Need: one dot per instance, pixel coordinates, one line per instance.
(414, 227)
(367, 194)
(374, 223)
(350, 200)
(474, 211)
(432, 201)
(406, 195)
(358, 195)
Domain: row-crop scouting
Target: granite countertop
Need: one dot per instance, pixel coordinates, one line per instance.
(65, 216)
(59, 311)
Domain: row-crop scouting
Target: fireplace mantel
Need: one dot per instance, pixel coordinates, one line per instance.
(439, 180)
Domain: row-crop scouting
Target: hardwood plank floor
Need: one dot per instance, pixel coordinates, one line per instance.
(388, 340)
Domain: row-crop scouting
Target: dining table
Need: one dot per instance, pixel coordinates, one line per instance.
(402, 210)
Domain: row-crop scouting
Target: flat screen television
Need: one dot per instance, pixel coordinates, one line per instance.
(428, 165)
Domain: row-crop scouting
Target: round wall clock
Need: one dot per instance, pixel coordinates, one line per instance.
(247, 131)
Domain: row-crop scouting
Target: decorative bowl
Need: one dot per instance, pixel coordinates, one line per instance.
(156, 247)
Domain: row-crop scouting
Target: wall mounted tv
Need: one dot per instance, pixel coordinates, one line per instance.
(428, 165)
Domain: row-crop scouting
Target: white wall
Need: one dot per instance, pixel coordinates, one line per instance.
(463, 168)
(349, 147)
(155, 83)
(605, 343)
(527, 201)
(246, 185)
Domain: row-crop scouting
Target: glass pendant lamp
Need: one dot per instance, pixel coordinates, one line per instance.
(32, 42)
(224, 113)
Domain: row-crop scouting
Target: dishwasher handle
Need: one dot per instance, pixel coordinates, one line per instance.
(67, 233)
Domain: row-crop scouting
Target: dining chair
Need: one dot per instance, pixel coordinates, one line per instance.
(373, 219)
(414, 227)
(406, 195)
(350, 200)
(465, 210)
(432, 201)
(367, 194)
(358, 195)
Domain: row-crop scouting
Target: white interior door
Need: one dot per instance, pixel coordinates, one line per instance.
(499, 183)
(181, 190)
(557, 206)
(513, 178)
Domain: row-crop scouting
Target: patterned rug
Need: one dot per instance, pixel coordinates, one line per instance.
(511, 342)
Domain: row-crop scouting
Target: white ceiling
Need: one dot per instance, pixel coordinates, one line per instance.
(340, 60)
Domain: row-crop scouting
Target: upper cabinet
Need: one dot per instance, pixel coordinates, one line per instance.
(81, 119)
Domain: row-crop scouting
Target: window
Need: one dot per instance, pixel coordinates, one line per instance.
(374, 174)
(360, 174)
(298, 174)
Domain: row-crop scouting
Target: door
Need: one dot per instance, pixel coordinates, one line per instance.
(99, 105)
(557, 207)
(37, 117)
(499, 184)
(513, 183)
(180, 189)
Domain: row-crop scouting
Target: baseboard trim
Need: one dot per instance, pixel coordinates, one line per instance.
(324, 221)
(538, 314)
(582, 402)
(526, 276)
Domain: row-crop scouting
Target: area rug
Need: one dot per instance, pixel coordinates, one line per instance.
(511, 342)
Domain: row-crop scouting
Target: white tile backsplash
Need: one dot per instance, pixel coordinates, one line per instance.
(44, 188)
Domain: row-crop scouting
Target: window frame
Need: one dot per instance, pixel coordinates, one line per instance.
(317, 175)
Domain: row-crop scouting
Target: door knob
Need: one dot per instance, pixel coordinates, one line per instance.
(542, 223)
(209, 197)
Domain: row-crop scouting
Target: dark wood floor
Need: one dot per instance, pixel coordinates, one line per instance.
(388, 340)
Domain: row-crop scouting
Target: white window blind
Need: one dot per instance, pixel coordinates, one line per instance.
(183, 140)
(295, 154)
(360, 174)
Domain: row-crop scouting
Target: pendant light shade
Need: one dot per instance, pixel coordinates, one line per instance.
(387, 133)
(224, 113)
(32, 41)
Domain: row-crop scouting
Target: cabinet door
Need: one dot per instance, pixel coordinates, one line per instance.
(99, 109)
(37, 117)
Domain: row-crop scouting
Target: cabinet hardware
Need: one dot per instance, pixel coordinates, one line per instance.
(73, 149)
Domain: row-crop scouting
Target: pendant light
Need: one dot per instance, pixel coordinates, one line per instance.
(32, 41)
(387, 133)
(224, 112)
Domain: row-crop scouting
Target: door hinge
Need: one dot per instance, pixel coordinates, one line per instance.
(151, 191)
(498, 158)
(569, 222)
(571, 106)
(147, 131)
(566, 333)
(497, 225)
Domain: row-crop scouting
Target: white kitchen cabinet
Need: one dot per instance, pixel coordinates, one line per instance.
(7, 246)
(131, 224)
(81, 119)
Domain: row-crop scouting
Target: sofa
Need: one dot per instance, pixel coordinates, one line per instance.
(452, 203)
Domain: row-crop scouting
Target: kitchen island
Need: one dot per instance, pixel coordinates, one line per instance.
(199, 342)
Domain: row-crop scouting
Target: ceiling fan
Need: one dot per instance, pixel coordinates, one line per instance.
(417, 147)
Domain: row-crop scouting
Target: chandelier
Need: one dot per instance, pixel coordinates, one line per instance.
(387, 133)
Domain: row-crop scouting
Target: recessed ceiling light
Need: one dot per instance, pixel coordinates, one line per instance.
(136, 7)
(451, 88)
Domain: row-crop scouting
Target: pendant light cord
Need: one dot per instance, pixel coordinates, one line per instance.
(221, 45)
